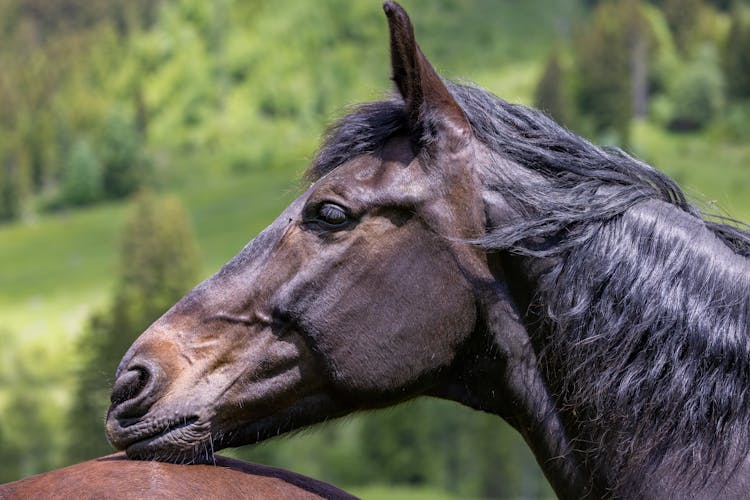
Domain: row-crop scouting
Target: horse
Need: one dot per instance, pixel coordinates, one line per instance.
(453, 245)
(114, 476)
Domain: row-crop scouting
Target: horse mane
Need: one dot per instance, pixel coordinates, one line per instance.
(645, 332)
(644, 315)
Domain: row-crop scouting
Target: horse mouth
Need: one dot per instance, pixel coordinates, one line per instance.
(182, 440)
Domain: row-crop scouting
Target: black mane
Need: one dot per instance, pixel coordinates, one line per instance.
(645, 314)
(645, 322)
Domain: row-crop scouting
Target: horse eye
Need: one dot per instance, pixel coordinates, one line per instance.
(332, 215)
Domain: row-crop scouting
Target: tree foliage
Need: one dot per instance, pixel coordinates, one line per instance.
(697, 94)
(124, 167)
(736, 56)
(14, 180)
(423, 443)
(604, 67)
(62, 16)
(439, 443)
(682, 17)
(550, 94)
(82, 176)
(28, 442)
(58, 60)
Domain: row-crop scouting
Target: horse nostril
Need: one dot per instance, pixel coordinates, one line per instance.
(129, 384)
(137, 388)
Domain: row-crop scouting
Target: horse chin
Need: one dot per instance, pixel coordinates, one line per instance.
(192, 439)
(185, 439)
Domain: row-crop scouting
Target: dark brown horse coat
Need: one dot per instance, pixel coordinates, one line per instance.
(114, 476)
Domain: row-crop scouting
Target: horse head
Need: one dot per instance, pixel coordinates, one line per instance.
(368, 290)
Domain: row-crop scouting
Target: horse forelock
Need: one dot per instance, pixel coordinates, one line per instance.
(361, 131)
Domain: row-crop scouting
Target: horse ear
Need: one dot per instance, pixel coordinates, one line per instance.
(429, 105)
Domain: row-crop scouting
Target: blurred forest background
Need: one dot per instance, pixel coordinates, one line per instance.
(143, 142)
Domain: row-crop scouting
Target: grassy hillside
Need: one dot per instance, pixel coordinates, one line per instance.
(64, 263)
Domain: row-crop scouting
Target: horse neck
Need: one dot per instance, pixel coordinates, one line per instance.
(643, 341)
(499, 373)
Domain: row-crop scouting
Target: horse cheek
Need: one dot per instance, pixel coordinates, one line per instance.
(388, 339)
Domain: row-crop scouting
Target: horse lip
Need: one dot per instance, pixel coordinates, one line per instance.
(129, 433)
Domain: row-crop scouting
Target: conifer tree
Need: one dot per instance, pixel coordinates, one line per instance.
(123, 165)
(82, 176)
(28, 442)
(610, 67)
(736, 57)
(549, 95)
(13, 183)
(682, 17)
(158, 264)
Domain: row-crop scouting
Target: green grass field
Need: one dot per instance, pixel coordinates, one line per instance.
(712, 173)
(56, 267)
(386, 492)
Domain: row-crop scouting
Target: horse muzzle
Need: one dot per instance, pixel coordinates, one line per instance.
(188, 388)
(132, 426)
